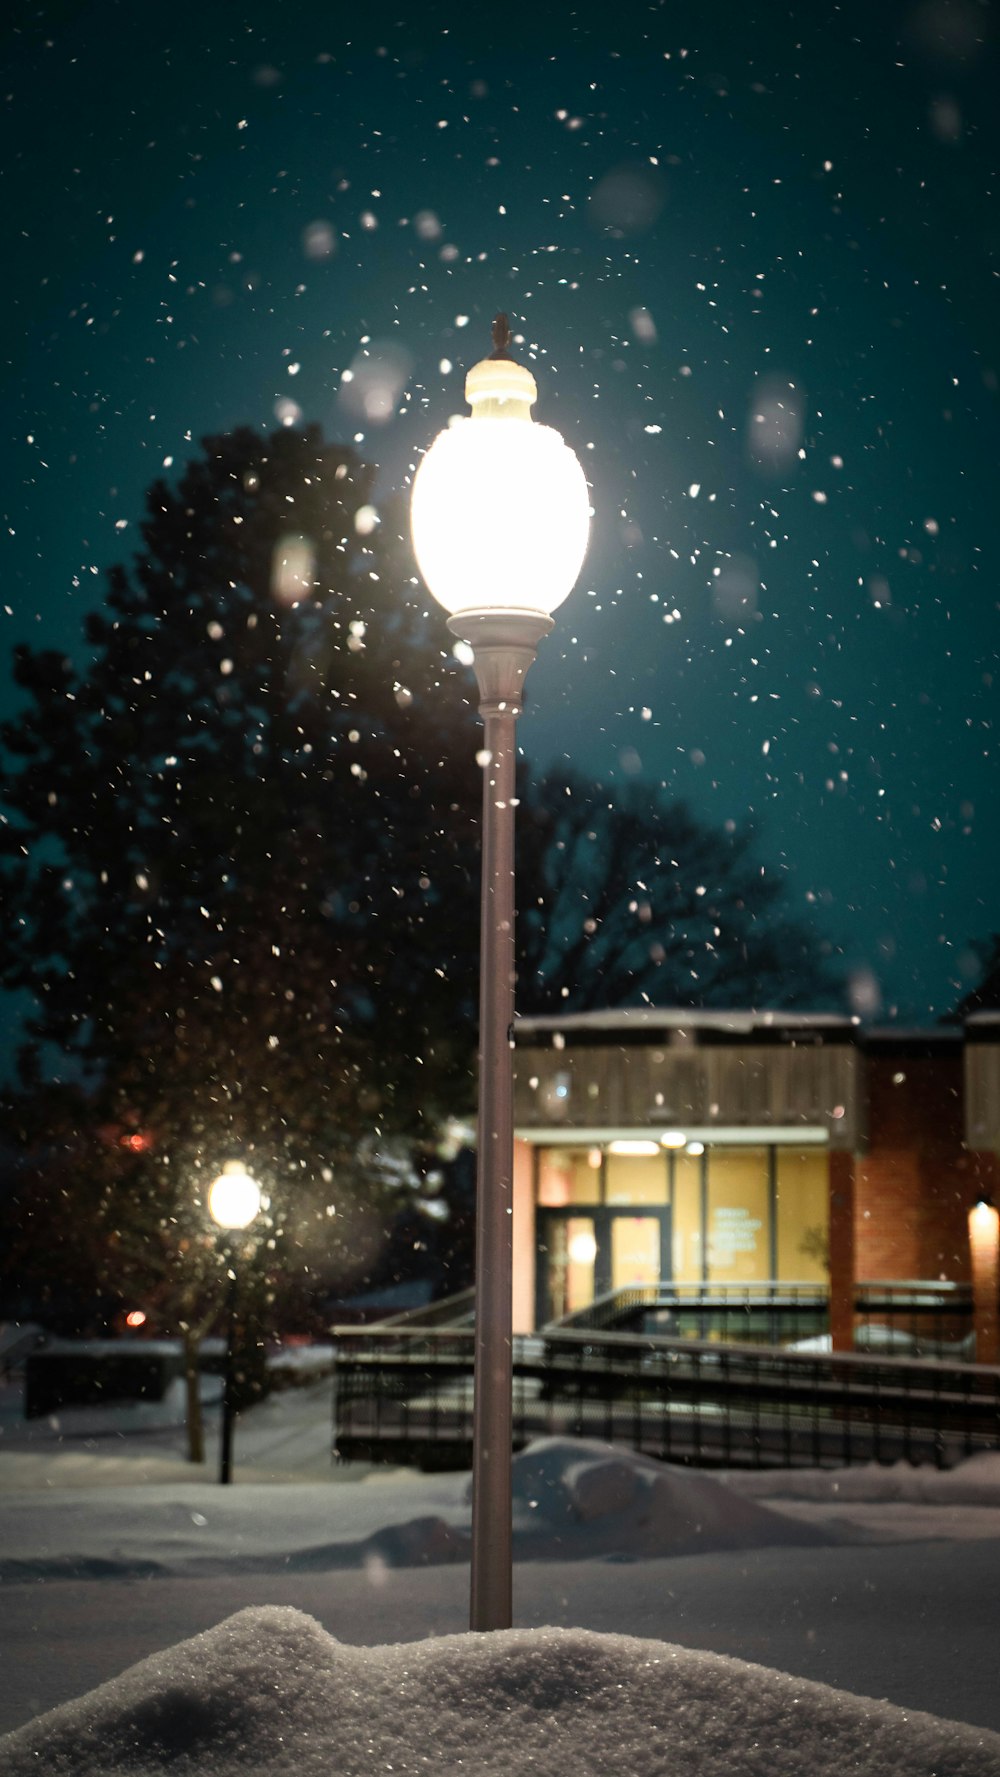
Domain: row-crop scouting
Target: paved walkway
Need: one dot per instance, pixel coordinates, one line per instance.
(287, 1438)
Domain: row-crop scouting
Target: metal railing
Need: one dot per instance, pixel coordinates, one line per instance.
(407, 1398)
(458, 1310)
(766, 1313)
(16, 1347)
(915, 1318)
(905, 1318)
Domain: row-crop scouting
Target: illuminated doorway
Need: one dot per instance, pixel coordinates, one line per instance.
(584, 1255)
(611, 1217)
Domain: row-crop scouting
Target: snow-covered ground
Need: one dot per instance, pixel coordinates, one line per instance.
(331, 1605)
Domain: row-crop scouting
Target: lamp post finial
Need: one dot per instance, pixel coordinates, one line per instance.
(501, 336)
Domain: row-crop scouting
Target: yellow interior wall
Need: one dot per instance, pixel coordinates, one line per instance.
(635, 1251)
(803, 1215)
(636, 1178)
(687, 1218)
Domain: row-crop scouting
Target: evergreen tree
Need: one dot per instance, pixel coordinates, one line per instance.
(240, 873)
(241, 847)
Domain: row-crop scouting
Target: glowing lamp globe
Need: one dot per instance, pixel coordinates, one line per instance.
(500, 513)
(234, 1198)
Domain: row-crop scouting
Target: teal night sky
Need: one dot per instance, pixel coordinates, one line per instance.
(752, 253)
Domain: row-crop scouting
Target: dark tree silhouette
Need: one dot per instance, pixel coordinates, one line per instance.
(242, 843)
(636, 902)
(239, 871)
(985, 996)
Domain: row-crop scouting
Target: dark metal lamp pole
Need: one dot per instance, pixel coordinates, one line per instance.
(500, 517)
(503, 648)
(229, 1376)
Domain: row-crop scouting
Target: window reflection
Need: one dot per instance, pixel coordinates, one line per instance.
(738, 1231)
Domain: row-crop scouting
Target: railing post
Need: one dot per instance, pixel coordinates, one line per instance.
(787, 1420)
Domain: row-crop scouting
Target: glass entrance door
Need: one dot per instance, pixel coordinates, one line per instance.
(567, 1256)
(583, 1254)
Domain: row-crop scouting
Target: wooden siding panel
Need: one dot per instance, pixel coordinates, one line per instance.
(982, 1095)
(737, 1086)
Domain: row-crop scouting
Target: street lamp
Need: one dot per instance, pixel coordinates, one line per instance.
(234, 1201)
(500, 518)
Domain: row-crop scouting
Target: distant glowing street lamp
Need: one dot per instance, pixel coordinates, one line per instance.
(234, 1201)
(500, 519)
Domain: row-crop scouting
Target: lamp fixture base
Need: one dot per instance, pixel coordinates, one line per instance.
(504, 644)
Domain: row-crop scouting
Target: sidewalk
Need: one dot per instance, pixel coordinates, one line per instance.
(287, 1438)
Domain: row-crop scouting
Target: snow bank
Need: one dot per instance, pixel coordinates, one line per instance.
(577, 1500)
(976, 1481)
(270, 1692)
(575, 1497)
(573, 1500)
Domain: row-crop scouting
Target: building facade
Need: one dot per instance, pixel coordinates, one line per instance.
(743, 1148)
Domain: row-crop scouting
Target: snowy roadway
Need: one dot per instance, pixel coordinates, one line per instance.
(916, 1625)
(109, 1551)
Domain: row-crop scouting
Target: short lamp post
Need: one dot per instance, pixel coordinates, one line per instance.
(500, 520)
(234, 1201)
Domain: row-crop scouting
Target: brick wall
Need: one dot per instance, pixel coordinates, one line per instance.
(914, 1186)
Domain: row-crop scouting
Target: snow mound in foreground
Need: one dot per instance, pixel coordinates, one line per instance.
(270, 1692)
